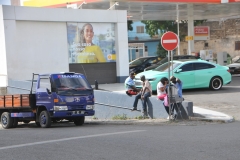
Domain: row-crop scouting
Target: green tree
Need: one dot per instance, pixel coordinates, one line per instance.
(160, 27)
(161, 52)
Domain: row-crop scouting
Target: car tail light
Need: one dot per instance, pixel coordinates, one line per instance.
(228, 70)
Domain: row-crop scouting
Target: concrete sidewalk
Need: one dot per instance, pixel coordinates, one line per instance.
(205, 114)
(199, 113)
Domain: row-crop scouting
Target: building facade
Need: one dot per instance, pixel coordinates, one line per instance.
(36, 40)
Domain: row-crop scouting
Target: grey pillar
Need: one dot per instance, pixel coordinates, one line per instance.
(190, 28)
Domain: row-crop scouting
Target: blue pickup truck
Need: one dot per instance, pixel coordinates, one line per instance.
(58, 96)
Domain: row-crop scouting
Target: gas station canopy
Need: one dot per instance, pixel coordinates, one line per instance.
(155, 9)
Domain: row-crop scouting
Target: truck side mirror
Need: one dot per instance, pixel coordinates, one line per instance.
(48, 91)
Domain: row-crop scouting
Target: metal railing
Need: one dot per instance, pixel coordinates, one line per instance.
(19, 88)
(103, 104)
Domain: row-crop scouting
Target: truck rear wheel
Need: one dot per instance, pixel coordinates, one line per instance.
(79, 121)
(44, 119)
(7, 120)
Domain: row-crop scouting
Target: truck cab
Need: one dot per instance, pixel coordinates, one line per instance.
(63, 96)
(58, 96)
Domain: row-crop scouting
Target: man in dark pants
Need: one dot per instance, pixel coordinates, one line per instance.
(145, 92)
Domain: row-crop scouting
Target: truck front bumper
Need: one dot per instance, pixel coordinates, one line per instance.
(76, 113)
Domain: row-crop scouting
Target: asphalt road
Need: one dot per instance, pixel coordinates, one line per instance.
(122, 142)
(226, 100)
(163, 141)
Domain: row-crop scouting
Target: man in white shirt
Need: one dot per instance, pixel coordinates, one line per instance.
(145, 92)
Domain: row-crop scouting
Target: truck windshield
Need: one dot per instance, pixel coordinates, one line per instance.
(71, 85)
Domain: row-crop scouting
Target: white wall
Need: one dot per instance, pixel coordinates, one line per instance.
(36, 39)
(39, 47)
(3, 60)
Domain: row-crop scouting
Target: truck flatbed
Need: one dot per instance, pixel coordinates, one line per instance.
(17, 101)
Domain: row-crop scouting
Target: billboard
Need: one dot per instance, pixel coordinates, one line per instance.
(201, 33)
(91, 42)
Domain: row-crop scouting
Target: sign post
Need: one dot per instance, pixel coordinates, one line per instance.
(169, 41)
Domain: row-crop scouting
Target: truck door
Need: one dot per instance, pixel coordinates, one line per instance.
(44, 93)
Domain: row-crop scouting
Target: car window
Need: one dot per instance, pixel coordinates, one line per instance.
(164, 60)
(184, 57)
(200, 66)
(187, 67)
(44, 82)
(140, 61)
(191, 57)
(137, 61)
(166, 66)
(238, 61)
(152, 60)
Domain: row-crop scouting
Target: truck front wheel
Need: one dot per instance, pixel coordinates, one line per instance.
(79, 121)
(7, 120)
(44, 119)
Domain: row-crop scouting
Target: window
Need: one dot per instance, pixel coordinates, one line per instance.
(45, 83)
(187, 67)
(166, 66)
(140, 29)
(146, 48)
(153, 60)
(199, 66)
(237, 45)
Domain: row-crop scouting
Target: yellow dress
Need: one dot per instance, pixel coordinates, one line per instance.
(91, 54)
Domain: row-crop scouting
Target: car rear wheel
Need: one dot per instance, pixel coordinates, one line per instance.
(216, 83)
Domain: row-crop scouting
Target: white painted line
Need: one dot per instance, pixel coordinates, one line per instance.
(170, 41)
(68, 139)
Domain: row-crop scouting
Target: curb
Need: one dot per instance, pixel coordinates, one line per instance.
(210, 115)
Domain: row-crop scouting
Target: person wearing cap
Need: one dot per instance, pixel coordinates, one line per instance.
(144, 94)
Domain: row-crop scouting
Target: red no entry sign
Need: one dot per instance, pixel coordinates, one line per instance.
(169, 41)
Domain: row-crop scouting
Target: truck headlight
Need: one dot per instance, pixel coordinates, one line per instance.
(60, 108)
(90, 107)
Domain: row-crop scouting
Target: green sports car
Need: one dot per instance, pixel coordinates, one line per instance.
(193, 74)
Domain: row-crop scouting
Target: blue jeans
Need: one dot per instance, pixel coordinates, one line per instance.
(144, 101)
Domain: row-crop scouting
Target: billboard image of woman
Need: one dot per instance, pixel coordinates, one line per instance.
(87, 47)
